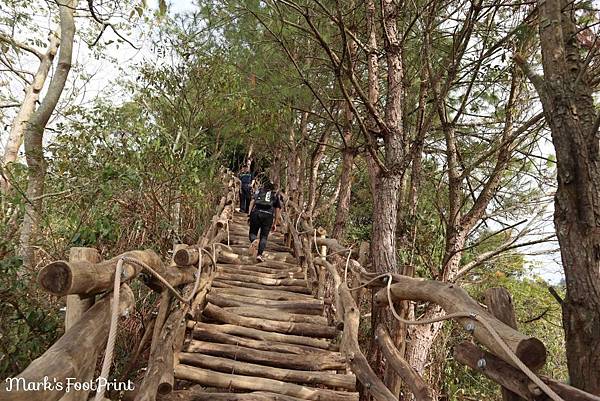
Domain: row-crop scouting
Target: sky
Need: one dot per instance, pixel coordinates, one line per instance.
(105, 71)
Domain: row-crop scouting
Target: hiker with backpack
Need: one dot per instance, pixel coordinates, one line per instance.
(264, 216)
(247, 180)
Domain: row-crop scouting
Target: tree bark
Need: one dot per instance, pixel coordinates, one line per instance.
(343, 206)
(348, 154)
(315, 163)
(566, 95)
(32, 94)
(34, 148)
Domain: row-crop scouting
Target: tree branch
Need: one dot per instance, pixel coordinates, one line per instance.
(12, 41)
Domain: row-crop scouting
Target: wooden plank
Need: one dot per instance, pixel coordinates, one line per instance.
(347, 382)
(224, 380)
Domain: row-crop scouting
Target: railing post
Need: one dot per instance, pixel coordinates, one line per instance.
(499, 303)
(321, 292)
(76, 307)
(77, 304)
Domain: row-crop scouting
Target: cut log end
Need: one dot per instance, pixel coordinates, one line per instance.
(222, 223)
(165, 388)
(56, 277)
(532, 353)
(185, 257)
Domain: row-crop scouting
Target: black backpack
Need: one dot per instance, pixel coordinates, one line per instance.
(246, 180)
(265, 199)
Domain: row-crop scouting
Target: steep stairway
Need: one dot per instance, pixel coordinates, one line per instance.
(262, 336)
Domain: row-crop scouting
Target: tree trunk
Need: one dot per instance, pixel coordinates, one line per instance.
(315, 163)
(343, 206)
(293, 167)
(566, 96)
(32, 94)
(348, 154)
(34, 150)
(386, 202)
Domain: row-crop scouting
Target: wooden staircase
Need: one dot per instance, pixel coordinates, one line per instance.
(261, 335)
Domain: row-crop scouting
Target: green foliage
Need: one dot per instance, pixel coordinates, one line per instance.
(28, 324)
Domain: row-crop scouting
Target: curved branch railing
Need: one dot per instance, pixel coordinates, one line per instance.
(75, 354)
(327, 265)
(512, 357)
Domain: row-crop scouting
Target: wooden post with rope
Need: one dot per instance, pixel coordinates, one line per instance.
(321, 233)
(77, 305)
(499, 303)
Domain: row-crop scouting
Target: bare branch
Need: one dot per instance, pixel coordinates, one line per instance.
(23, 46)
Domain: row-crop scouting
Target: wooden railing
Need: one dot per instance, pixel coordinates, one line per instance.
(184, 285)
(505, 343)
(88, 282)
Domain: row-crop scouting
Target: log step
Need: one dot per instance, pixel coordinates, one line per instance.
(301, 307)
(276, 295)
(198, 394)
(333, 380)
(240, 238)
(276, 264)
(207, 332)
(278, 246)
(250, 311)
(303, 329)
(262, 280)
(270, 336)
(240, 269)
(229, 256)
(263, 335)
(238, 382)
(316, 361)
(268, 255)
(261, 269)
(244, 284)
